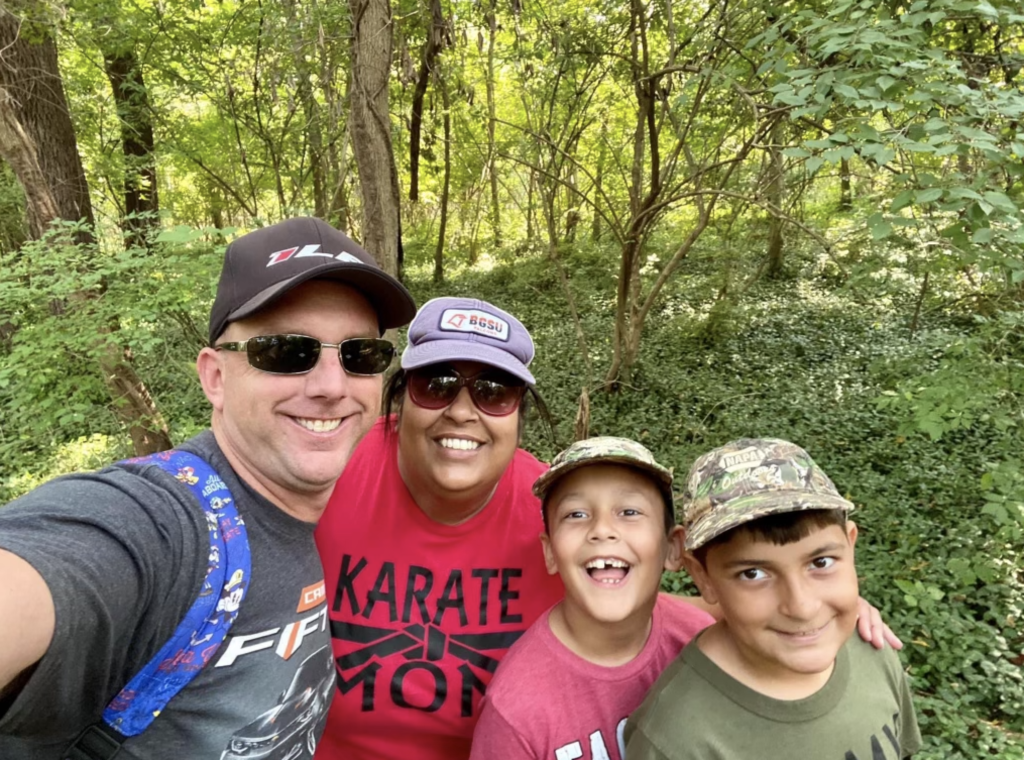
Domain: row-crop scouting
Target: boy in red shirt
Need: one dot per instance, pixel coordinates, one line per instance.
(565, 688)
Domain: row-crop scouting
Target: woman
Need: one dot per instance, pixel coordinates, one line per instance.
(430, 542)
(432, 561)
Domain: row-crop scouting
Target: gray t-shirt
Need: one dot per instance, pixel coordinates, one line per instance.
(124, 553)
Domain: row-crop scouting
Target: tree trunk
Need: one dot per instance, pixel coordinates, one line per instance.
(29, 74)
(447, 120)
(19, 151)
(300, 27)
(141, 203)
(492, 25)
(371, 130)
(595, 230)
(529, 206)
(845, 195)
(36, 127)
(437, 37)
(774, 193)
(340, 215)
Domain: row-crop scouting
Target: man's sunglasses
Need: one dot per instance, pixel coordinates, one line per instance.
(297, 354)
(494, 392)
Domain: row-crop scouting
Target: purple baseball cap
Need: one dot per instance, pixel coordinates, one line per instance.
(467, 329)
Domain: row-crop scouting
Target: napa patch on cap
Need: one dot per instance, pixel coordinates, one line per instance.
(751, 478)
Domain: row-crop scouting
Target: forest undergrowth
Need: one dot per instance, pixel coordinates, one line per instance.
(921, 431)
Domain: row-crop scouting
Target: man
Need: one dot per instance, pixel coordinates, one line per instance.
(97, 570)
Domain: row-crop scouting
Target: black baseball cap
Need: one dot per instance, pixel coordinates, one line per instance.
(263, 265)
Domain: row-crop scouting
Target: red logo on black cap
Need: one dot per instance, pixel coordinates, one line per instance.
(298, 253)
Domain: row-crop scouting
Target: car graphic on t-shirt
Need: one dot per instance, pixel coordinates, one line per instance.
(289, 729)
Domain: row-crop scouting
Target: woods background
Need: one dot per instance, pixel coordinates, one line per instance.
(718, 218)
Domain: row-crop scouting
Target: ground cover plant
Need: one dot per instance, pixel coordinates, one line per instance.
(922, 431)
(718, 219)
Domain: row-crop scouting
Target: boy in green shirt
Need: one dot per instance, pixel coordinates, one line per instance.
(779, 676)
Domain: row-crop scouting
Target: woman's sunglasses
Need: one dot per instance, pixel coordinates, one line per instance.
(297, 354)
(495, 393)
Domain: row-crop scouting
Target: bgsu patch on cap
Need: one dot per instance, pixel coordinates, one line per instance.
(474, 321)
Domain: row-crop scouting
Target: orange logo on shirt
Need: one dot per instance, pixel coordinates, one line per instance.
(311, 596)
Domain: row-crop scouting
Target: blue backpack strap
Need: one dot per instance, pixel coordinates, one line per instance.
(204, 627)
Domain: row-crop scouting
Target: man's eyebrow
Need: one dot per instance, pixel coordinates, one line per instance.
(830, 548)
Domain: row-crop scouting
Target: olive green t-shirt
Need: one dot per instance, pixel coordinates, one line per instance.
(696, 711)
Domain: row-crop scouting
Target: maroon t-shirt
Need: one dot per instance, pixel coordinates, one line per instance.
(548, 702)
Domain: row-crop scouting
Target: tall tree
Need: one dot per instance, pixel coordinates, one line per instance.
(34, 115)
(36, 102)
(492, 150)
(437, 39)
(372, 45)
(141, 202)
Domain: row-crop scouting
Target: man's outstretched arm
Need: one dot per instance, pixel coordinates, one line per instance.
(26, 618)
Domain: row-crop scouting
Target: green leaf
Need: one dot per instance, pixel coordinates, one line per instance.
(846, 91)
(901, 201)
(814, 163)
(985, 9)
(885, 82)
(929, 195)
(796, 153)
(982, 236)
(958, 193)
(905, 586)
(1001, 202)
(880, 228)
(791, 99)
(884, 156)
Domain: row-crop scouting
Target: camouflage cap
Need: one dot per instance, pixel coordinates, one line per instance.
(604, 449)
(749, 478)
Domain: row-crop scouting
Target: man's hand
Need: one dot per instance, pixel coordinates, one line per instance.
(26, 617)
(872, 629)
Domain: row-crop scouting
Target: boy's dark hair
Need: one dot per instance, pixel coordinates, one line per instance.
(780, 529)
(670, 512)
(532, 404)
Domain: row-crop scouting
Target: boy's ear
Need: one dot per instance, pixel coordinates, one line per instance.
(676, 542)
(549, 555)
(851, 532)
(700, 577)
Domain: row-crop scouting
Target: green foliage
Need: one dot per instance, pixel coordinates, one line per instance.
(891, 349)
(929, 93)
(65, 304)
(942, 526)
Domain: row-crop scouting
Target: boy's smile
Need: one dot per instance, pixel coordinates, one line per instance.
(608, 570)
(787, 608)
(606, 538)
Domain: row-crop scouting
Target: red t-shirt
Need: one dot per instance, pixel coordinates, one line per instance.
(421, 613)
(548, 703)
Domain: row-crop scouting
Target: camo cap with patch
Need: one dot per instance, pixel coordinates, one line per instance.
(750, 478)
(604, 449)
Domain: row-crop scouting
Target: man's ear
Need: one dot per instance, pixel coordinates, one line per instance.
(676, 541)
(549, 555)
(700, 577)
(210, 368)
